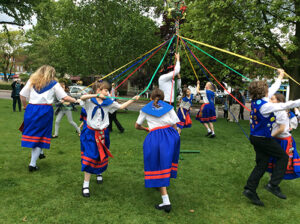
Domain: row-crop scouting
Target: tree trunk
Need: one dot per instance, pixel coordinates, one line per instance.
(294, 87)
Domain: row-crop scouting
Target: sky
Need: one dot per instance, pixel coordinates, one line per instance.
(4, 17)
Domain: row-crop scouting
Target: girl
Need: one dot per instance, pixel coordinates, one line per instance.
(284, 138)
(64, 108)
(207, 112)
(40, 90)
(161, 146)
(184, 110)
(94, 138)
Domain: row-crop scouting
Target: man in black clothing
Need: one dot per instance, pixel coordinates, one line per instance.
(15, 94)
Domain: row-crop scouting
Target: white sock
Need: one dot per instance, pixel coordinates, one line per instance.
(165, 199)
(208, 130)
(213, 132)
(42, 152)
(35, 153)
(86, 184)
(99, 177)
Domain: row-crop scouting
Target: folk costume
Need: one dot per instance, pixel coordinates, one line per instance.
(288, 145)
(162, 144)
(185, 104)
(94, 138)
(207, 112)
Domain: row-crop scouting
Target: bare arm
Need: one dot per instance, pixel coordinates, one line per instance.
(126, 104)
(198, 86)
(89, 96)
(279, 130)
(69, 99)
(273, 89)
(181, 109)
(140, 127)
(24, 101)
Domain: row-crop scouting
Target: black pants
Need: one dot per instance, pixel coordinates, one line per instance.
(225, 114)
(15, 99)
(241, 114)
(113, 117)
(264, 149)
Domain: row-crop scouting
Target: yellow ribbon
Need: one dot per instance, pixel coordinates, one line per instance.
(122, 66)
(238, 55)
(189, 59)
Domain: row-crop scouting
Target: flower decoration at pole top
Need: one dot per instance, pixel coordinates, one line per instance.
(176, 9)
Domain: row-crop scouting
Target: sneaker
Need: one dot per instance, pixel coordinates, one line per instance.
(275, 190)
(208, 134)
(33, 168)
(99, 179)
(54, 136)
(42, 156)
(212, 136)
(86, 192)
(253, 197)
(166, 208)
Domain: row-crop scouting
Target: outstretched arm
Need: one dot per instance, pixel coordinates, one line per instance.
(273, 89)
(126, 104)
(89, 96)
(140, 127)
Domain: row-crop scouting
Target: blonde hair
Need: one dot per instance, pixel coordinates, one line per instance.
(42, 77)
(212, 86)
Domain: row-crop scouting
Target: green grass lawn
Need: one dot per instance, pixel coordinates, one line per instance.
(210, 183)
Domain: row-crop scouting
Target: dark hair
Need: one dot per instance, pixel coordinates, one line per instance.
(184, 92)
(280, 97)
(100, 85)
(157, 95)
(258, 89)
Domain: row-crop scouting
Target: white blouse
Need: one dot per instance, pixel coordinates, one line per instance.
(46, 97)
(96, 122)
(169, 118)
(281, 118)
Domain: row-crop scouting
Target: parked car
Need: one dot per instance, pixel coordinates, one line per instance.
(78, 91)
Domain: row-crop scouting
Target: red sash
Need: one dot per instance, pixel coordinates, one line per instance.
(100, 141)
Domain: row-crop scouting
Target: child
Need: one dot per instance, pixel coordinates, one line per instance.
(207, 112)
(64, 108)
(83, 117)
(261, 120)
(95, 138)
(161, 146)
(293, 120)
(40, 90)
(282, 135)
(184, 110)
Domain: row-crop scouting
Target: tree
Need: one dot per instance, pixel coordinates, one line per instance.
(11, 45)
(261, 29)
(19, 10)
(90, 37)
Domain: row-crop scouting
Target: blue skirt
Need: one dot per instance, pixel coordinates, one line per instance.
(293, 168)
(207, 113)
(161, 154)
(90, 158)
(184, 123)
(37, 131)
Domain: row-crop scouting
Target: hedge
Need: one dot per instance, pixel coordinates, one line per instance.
(5, 86)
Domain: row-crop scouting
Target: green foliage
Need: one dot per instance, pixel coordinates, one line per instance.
(262, 30)
(5, 86)
(90, 37)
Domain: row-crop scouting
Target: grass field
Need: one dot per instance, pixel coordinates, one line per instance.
(210, 183)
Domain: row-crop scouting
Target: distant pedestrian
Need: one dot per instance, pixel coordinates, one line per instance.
(15, 94)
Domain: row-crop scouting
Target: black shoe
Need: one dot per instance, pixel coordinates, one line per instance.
(54, 136)
(275, 190)
(33, 168)
(208, 134)
(212, 136)
(99, 179)
(166, 208)
(253, 197)
(86, 194)
(122, 130)
(42, 156)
